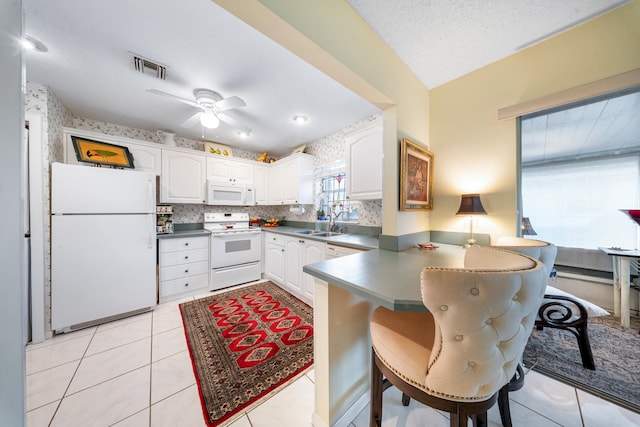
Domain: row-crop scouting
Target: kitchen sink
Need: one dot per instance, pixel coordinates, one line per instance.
(318, 233)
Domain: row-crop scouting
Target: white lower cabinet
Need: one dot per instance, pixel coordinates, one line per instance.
(284, 258)
(313, 252)
(184, 267)
(274, 257)
(298, 253)
(293, 251)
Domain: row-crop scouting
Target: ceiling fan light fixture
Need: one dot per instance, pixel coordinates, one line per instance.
(300, 119)
(209, 120)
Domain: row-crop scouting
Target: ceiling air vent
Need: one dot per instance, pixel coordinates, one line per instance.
(148, 67)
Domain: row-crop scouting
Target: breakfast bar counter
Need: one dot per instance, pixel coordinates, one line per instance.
(347, 290)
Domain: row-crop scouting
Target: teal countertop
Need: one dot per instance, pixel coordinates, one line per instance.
(387, 278)
(358, 241)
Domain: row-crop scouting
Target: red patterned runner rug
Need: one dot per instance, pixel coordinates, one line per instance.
(245, 345)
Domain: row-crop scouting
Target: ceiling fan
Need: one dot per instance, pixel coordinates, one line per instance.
(213, 107)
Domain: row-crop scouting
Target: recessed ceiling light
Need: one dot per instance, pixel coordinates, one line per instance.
(300, 119)
(242, 134)
(29, 43)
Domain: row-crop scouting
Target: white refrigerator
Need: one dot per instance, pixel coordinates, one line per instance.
(103, 244)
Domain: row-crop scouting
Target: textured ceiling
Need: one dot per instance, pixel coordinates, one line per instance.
(441, 40)
(203, 46)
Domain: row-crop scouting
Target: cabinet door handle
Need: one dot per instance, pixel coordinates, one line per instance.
(186, 257)
(186, 244)
(186, 284)
(186, 271)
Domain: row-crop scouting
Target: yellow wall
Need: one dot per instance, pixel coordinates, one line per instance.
(331, 36)
(476, 152)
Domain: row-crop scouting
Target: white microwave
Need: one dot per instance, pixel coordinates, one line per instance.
(225, 193)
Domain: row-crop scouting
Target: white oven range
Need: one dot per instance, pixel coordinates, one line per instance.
(235, 249)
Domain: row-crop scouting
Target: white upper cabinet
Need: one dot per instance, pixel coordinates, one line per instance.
(261, 186)
(291, 180)
(232, 171)
(275, 186)
(146, 156)
(184, 177)
(364, 151)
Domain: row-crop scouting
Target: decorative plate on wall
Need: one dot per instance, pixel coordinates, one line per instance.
(215, 148)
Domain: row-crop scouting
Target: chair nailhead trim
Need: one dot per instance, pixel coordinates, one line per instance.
(474, 291)
(459, 337)
(444, 308)
(427, 389)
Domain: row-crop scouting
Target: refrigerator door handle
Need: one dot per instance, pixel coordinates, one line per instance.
(152, 234)
(150, 195)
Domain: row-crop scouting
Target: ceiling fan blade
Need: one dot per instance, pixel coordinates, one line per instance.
(177, 98)
(191, 121)
(229, 103)
(233, 123)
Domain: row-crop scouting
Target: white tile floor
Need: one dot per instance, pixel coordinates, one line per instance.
(137, 372)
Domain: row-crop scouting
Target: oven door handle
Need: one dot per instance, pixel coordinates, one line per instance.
(234, 233)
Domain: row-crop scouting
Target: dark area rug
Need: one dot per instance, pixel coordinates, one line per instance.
(616, 352)
(246, 345)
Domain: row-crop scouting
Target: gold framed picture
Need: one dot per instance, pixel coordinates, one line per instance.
(416, 177)
(102, 153)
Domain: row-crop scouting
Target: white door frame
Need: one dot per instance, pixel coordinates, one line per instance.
(37, 215)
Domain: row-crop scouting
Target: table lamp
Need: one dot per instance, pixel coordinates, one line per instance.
(527, 228)
(470, 205)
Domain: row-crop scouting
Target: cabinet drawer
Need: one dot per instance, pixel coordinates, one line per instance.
(168, 259)
(276, 239)
(186, 285)
(184, 270)
(182, 243)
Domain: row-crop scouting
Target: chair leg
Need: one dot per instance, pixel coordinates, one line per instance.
(405, 400)
(375, 417)
(461, 416)
(503, 406)
(585, 348)
(480, 420)
(516, 383)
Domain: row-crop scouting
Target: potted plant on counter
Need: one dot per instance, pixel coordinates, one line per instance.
(320, 214)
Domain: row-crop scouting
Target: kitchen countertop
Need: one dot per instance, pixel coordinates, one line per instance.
(184, 233)
(387, 278)
(357, 241)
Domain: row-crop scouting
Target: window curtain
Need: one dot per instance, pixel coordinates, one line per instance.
(576, 204)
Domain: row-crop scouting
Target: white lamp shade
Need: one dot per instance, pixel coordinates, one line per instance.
(209, 120)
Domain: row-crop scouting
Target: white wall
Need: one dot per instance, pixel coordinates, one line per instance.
(12, 356)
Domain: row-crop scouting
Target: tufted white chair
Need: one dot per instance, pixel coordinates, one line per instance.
(458, 355)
